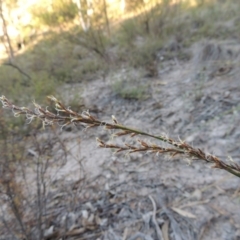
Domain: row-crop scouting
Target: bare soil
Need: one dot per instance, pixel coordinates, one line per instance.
(100, 195)
(144, 196)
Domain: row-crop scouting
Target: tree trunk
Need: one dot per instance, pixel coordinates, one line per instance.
(83, 9)
(5, 32)
(106, 16)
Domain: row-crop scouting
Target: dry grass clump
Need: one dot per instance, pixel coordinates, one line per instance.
(65, 116)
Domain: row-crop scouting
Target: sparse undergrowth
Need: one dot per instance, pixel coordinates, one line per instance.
(145, 40)
(154, 33)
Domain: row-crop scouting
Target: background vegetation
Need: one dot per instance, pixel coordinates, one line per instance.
(71, 42)
(47, 46)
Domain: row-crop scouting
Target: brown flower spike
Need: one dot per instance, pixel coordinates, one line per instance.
(65, 116)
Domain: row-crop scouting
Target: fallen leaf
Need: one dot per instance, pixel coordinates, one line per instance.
(165, 230)
(183, 212)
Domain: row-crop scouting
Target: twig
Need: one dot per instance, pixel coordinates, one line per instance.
(18, 68)
(16, 209)
(158, 230)
(7, 226)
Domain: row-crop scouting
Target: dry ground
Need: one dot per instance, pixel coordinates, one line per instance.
(99, 195)
(144, 196)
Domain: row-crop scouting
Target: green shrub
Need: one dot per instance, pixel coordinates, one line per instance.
(128, 86)
(61, 11)
(130, 92)
(42, 83)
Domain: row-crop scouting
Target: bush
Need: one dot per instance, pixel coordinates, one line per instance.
(61, 11)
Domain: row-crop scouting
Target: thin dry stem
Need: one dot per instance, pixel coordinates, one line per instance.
(65, 116)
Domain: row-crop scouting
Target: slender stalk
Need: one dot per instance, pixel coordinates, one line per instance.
(66, 116)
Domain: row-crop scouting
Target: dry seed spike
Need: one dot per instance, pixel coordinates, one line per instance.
(133, 134)
(108, 126)
(52, 98)
(62, 106)
(130, 146)
(120, 150)
(91, 117)
(144, 144)
(114, 120)
(122, 133)
(100, 142)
